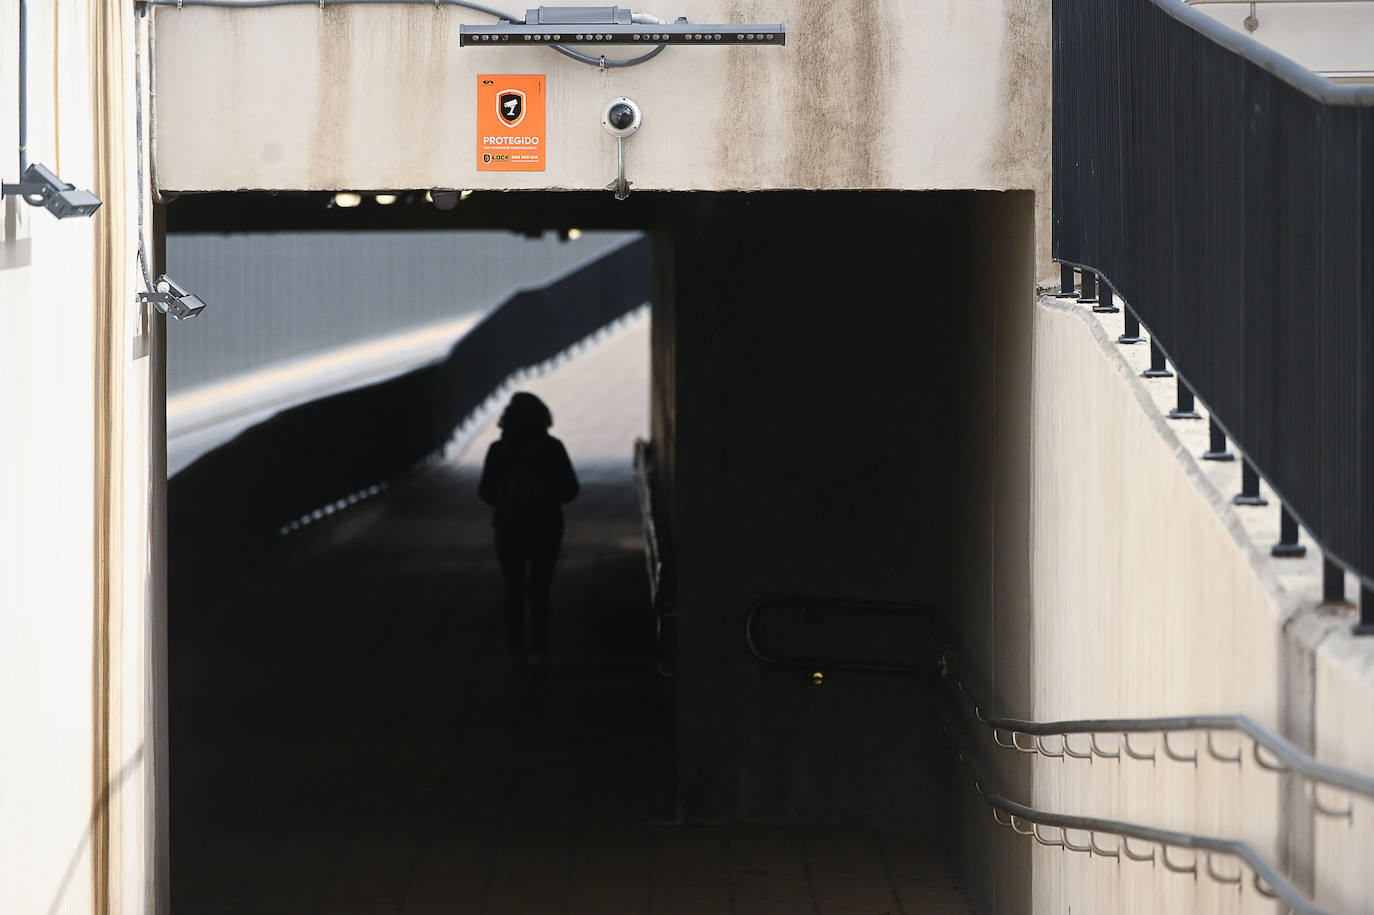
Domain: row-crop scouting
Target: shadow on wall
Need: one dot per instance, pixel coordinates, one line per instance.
(225, 510)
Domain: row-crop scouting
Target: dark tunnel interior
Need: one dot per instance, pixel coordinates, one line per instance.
(837, 389)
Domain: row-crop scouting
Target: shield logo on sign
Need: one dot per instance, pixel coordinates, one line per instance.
(511, 105)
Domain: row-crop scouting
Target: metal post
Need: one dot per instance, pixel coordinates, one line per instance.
(1089, 294)
(1333, 583)
(1216, 449)
(1158, 368)
(1249, 486)
(1288, 546)
(23, 88)
(1106, 306)
(1184, 408)
(1366, 624)
(1132, 329)
(1066, 290)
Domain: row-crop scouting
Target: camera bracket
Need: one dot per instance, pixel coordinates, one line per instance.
(622, 187)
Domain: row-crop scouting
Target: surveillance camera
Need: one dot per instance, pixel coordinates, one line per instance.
(171, 299)
(444, 200)
(621, 116)
(39, 186)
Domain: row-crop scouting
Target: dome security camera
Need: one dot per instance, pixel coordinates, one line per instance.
(621, 116)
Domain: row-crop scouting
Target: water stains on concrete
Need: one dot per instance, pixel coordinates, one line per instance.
(333, 98)
(826, 103)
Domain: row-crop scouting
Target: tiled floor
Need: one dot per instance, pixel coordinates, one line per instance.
(349, 737)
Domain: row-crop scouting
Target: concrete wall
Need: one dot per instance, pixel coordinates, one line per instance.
(989, 593)
(871, 94)
(79, 490)
(798, 408)
(1145, 604)
(804, 351)
(1152, 595)
(899, 94)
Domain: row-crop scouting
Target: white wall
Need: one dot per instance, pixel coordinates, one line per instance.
(77, 489)
(1326, 37)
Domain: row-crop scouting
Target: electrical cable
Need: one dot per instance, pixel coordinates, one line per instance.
(600, 62)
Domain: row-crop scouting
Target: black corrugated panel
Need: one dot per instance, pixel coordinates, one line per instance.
(1228, 197)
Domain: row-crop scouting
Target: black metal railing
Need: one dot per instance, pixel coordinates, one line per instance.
(1227, 195)
(657, 560)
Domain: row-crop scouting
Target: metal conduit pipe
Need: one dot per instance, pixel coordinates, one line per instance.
(23, 88)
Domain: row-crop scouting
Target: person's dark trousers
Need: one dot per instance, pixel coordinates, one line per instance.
(527, 557)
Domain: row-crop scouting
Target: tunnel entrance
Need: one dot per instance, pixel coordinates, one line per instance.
(823, 391)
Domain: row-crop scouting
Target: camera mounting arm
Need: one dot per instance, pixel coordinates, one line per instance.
(622, 187)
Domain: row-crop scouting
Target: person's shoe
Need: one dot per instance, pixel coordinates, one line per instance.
(535, 662)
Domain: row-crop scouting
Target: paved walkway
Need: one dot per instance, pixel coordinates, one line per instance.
(348, 735)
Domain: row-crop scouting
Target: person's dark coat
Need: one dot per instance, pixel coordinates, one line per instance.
(527, 478)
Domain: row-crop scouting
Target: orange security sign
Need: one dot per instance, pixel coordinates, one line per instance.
(510, 123)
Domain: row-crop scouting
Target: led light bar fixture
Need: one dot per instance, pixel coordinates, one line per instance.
(611, 25)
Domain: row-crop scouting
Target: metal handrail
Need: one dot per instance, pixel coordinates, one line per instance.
(1252, 22)
(1288, 755)
(1267, 58)
(1263, 872)
(1347, 74)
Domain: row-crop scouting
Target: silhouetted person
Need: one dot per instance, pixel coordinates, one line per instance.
(526, 478)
